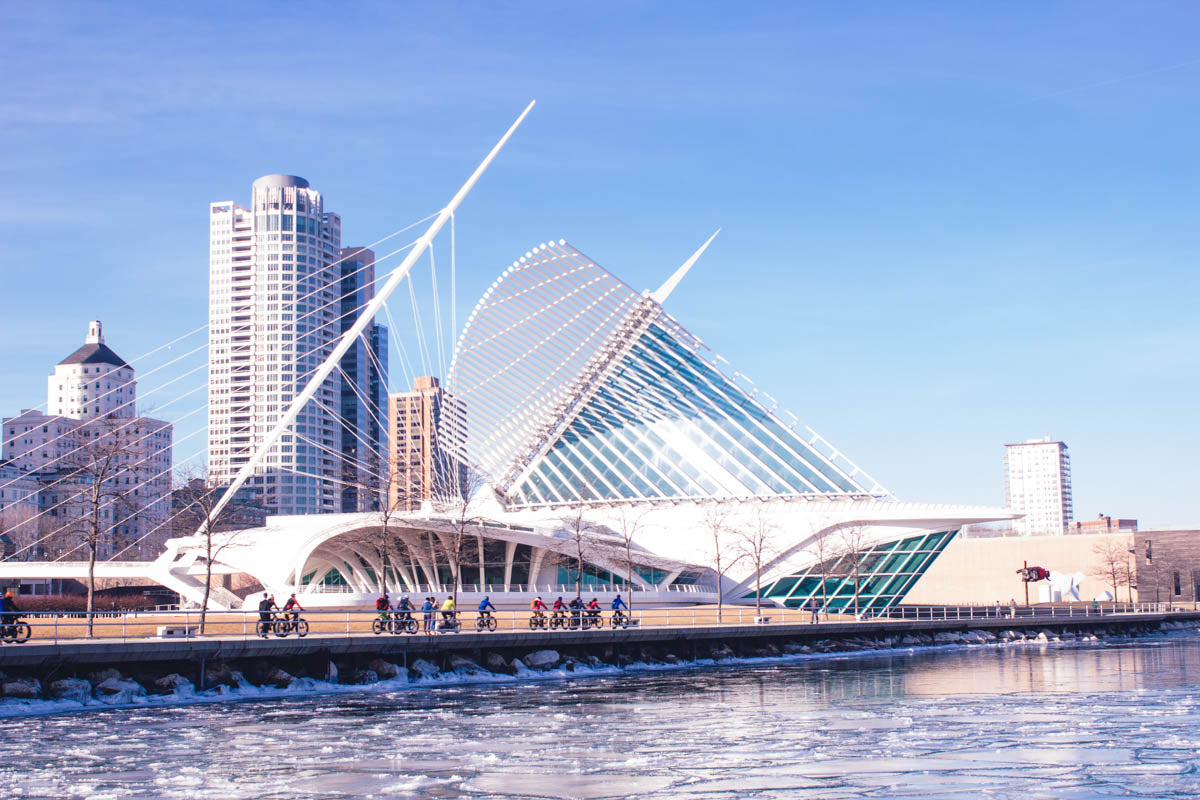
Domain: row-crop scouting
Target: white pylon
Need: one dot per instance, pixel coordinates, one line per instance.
(368, 314)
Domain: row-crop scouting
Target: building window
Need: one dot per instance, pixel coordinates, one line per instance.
(1178, 586)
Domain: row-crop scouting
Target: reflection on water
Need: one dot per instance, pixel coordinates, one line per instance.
(1107, 720)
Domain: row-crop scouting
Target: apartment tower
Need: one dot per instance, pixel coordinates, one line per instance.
(1037, 483)
(423, 426)
(274, 308)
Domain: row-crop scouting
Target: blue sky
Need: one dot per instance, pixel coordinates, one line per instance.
(946, 226)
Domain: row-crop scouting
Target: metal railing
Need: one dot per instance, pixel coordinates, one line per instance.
(72, 626)
(513, 588)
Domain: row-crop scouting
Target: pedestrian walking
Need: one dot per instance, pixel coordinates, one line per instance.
(1012, 607)
(813, 618)
(997, 608)
(427, 611)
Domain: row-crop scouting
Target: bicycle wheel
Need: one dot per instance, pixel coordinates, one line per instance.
(301, 628)
(282, 628)
(491, 623)
(480, 624)
(376, 626)
(410, 626)
(22, 632)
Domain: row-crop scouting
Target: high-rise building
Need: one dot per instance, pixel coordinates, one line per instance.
(426, 426)
(274, 306)
(93, 431)
(1037, 483)
(364, 387)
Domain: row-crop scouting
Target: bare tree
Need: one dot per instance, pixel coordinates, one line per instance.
(1112, 562)
(391, 493)
(461, 507)
(824, 549)
(722, 556)
(106, 467)
(197, 499)
(851, 547)
(580, 531)
(756, 542)
(22, 529)
(630, 523)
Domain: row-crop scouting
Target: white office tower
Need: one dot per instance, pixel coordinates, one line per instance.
(273, 318)
(92, 422)
(1037, 483)
(92, 382)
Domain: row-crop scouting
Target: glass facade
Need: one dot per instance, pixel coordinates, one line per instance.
(667, 424)
(885, 573)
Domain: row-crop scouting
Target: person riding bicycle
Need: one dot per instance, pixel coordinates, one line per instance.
(383, 605)
(292, 609)
(265, 616)
(448, 610)
(538, 608)
(593, 609)
(403, 609)
(576, 607)
(486, 607)
(618, 603)
(10, 609)
(560, 608)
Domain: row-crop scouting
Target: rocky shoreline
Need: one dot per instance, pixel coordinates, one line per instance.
(215, 679)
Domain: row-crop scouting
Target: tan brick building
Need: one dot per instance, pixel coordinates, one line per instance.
(423, 425)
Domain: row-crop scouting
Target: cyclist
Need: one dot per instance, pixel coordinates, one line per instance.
(383, 605)
(576, 611)
(448, 611)
(403, 609)
(593, 609)
(10, 609)
(265, 616)
(618, 603)
(560, 608)
(538, 608)
(292, 609)
(485, 606)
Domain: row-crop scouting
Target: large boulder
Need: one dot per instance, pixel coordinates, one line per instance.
(424, 669)
(76, 689)
(100, 676)
(542, 659)
(795, 648)
(218, 673)
(386, 670)
(363, 676)
(172, 684)
(115, 691)
(497, 663)
(23, 688)
(947, 637)
(465, 666)
(278, 678)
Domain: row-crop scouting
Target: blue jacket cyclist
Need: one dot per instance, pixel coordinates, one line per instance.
(618, 603)
(486, 605)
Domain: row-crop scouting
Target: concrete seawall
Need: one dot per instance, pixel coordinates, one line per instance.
(142, 654)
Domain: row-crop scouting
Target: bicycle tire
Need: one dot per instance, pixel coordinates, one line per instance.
(491, 623)
(376, 626)
(410, 626)
(301, 628)
(22, 633)
(282, 629)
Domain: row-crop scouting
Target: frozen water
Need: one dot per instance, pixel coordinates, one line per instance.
(1094, 720)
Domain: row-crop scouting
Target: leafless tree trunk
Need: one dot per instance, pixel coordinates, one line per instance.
(631, 523)
(105, 455)
(722, 555)
(1112, 562)
(757, 543)
(823, 550)
(198, 500)
(851, 546)
(579, 529)
(463, 516)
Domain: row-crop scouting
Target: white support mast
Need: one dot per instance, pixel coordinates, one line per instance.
(364, 319)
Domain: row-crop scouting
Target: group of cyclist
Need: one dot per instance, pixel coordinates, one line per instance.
(577, 610)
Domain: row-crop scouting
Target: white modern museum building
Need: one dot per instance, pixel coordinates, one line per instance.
(594, 416)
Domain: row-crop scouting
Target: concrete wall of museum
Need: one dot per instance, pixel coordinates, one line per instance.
(982, 571)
